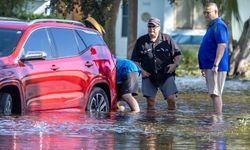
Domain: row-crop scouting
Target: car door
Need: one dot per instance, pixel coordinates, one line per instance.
(76, 68)
(101, 57)
(60, 81)
(40, 80)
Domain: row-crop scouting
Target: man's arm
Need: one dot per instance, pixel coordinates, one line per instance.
(172, 67)
(177, 60)
(143, 72)
(219, 53)
(136, 57)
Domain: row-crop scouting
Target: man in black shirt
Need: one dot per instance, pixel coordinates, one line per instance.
(158, 56)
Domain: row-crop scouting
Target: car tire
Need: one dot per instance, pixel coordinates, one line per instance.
(98, 101)
(5, 104)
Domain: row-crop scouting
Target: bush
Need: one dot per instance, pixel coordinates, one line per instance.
(189, 61)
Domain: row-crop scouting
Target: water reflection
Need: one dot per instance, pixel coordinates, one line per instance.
(193, 126)
(43, 141)
(212, 126)
(56, 131)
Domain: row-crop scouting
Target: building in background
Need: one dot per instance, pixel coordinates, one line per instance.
(184, 22)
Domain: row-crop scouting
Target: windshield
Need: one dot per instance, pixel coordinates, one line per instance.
(8, 40)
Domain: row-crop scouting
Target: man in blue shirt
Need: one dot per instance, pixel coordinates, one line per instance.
(127, 76)
(213, 55)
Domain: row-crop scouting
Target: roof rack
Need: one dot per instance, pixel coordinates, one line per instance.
(9, 19)
(56, 20)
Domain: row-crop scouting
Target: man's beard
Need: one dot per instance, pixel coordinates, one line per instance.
(152, 35)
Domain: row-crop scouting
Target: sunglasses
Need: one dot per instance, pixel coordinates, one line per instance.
(207, 12)
(152, 26)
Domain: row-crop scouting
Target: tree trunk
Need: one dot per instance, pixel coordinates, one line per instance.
(110, 25)
(132, 26)
(241, 52)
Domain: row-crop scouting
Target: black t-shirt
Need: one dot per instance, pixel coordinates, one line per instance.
(155, 56)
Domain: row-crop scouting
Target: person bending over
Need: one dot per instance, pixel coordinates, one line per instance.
(127, 76)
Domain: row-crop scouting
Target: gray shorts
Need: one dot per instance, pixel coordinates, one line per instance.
(167, 88)
(215, 81)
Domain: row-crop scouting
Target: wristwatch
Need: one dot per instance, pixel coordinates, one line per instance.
(176, 65)
(215, 65)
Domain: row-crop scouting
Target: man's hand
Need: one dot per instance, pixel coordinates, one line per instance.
(171, 68)
(215, 69)
(145, 74)
(203, 73)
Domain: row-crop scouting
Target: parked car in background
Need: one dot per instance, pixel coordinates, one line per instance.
(49, 64)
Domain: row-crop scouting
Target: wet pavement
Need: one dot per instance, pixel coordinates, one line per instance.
(193, 126)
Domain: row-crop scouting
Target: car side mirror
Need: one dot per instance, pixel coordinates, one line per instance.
(34, 55)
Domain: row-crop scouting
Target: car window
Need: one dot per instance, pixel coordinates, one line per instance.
(38, 41)
(80, 42)
(8, 40)
(65, 42)
(90, 38)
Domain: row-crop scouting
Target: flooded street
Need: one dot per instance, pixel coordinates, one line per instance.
(193, 126)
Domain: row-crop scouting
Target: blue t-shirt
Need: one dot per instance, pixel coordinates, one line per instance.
(216, 33)
(124, 67)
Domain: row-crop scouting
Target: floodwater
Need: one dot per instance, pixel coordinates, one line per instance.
(193, 126)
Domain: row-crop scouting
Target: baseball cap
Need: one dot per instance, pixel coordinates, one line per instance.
(154, 21)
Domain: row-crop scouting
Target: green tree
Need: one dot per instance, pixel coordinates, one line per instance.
(104, 11)
(13, 8)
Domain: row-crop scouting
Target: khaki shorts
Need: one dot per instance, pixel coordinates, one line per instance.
(215, 81)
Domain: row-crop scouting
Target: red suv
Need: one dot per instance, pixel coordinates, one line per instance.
(49, 64)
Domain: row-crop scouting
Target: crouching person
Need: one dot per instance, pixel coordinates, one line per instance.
(127, 76)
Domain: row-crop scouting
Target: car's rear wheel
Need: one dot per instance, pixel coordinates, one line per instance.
(98, 101)
(5, 104)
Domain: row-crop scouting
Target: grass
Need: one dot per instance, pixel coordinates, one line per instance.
(189, 61)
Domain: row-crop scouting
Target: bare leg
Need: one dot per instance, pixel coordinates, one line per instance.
(132, 102)
(217, 102)
(151, 103)
(171, 102)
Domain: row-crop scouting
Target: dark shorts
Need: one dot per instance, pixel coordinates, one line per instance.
(128, 85)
